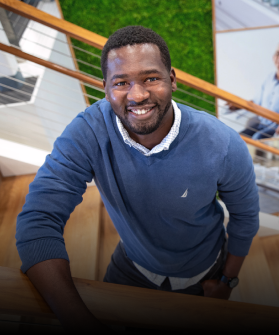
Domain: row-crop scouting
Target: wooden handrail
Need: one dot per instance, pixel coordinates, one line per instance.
(99, 84)
(51, 21)
(217, 92)
(260, 145)
(138, 307)
(98, 41)
(74, 74)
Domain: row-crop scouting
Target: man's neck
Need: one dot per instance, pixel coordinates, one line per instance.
(151, 140)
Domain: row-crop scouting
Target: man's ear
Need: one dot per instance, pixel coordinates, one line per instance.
(105, 87)
(173, 80)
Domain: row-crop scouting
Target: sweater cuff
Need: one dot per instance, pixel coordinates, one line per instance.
(239, 247)
(41, 250)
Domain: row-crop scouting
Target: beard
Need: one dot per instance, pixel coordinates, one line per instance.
(148, 127)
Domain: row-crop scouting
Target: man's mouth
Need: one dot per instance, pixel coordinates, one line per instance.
(140, 110)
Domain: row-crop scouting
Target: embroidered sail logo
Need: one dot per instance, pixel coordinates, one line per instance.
(184, 195)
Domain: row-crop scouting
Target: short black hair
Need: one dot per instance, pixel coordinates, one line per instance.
(131, 35)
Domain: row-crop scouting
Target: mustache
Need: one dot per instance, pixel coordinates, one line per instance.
(142, 103)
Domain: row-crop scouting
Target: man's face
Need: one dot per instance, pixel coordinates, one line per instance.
(139, 87)
(276, 58)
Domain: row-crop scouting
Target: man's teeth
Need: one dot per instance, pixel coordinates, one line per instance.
(140, 111)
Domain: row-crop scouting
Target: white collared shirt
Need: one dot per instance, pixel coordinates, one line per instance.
(166, 142)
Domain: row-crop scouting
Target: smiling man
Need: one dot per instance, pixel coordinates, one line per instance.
(158, 166)
(143, 106)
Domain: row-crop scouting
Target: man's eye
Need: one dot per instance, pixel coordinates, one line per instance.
(122, 83)
(152, 79)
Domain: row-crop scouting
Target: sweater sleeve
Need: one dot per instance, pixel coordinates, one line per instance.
(56, 190)
(238, 190)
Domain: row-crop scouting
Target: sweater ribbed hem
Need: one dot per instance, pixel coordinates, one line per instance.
(41, 250)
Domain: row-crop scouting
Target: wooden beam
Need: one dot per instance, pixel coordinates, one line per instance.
(138, 307)
(98, 41)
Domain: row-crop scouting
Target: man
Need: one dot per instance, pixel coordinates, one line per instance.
(158, 166)
(258, 127)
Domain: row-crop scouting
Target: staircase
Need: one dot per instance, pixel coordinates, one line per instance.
(91, 238)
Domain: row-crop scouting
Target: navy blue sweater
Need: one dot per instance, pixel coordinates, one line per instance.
(162, 231)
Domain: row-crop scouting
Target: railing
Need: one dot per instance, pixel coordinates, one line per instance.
(98, 41)
(74, 74)
(72, 30)
(138, 307)
(99, 84)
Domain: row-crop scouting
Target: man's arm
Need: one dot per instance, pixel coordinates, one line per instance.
(216, 288)
(52, 278)
(53, 195)
(257, 99)
(238, 190)
(233, 107)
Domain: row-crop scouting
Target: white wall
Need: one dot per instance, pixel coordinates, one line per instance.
(243, 61)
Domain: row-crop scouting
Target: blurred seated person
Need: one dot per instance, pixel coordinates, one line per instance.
(268, 97)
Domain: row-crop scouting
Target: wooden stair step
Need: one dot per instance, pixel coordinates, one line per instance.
(13, 191)
(270, 246)
(256, 284)
(109, 239)
(82, 235)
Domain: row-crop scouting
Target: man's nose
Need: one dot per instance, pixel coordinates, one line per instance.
(137, 93)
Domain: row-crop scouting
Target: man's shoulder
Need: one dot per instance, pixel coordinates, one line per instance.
(198, 118)
(97, 117)
(207, 130)
(97, 110)
(94, 122)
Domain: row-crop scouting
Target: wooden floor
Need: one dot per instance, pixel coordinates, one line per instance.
(91, 238)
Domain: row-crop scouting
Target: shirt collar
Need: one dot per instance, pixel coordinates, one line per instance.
(165, 143)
